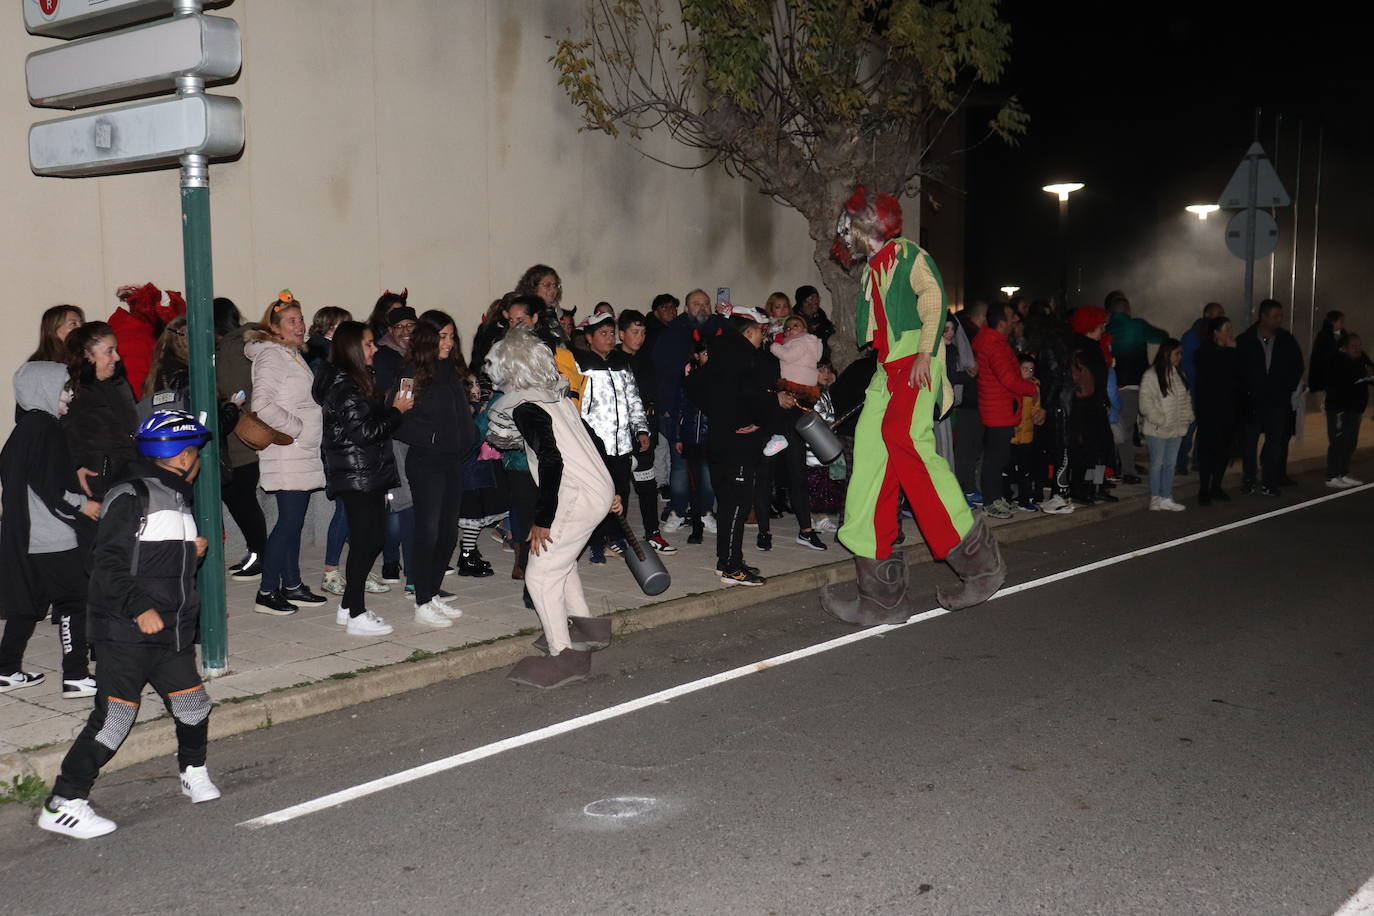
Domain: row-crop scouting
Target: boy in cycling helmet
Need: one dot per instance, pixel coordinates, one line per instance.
(144, 611)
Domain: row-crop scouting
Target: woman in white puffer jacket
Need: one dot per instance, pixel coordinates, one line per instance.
(1166, 411)
(282, 399)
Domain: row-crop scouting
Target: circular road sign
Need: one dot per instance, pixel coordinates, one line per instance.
(1266, 234)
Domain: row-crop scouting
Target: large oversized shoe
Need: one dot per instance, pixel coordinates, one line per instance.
(883, 596)
(547, 672)
(586, 634)
(980, 567)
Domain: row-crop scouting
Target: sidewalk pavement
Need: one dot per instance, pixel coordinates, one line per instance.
(283, 668)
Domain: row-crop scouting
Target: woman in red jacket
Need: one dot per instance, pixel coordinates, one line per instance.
(1000, 389)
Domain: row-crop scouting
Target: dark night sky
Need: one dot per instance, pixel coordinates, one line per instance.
(1153, 109)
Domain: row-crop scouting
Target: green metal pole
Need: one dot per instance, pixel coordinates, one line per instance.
(195, 241)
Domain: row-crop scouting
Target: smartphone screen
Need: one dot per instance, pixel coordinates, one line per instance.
(722, 295)
(408, 387)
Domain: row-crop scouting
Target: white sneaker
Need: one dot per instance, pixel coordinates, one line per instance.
(674, 523)
(1336, 483)
(1057, 505)
(74, 818)
(1167, 503)
(1351, 481)
(20, 679)
(196, 785)
(709, 523)
(333, 582)
(75, 690)
(775, 445)
(446, 607)
(368, 624)
(374, 585)
(429, 615)
(1157, 504)
(342, 616)
(827, 524)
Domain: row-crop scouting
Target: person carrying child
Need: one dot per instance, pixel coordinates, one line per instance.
(144, 612)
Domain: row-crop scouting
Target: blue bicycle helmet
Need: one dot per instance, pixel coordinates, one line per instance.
(167, 433)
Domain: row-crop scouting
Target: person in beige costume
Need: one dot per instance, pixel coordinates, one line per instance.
(575, 493)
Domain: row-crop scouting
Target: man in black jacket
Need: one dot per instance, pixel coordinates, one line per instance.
(1271, 371)
(733, 391)
(144, 612)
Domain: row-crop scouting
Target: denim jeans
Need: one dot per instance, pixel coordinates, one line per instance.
(1163, 459)
(400, 540)
(281, 565)
(338, 535)
(680, 482)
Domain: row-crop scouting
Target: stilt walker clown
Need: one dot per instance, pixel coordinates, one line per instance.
(901, 309)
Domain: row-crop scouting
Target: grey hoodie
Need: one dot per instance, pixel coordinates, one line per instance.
(38, 386)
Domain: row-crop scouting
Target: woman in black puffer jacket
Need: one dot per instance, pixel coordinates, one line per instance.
(358, 463)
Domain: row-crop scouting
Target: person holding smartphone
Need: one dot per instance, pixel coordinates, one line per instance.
(440, 433)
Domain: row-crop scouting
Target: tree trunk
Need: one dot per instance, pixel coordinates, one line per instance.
(843, 287)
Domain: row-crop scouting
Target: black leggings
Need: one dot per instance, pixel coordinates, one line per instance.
(240, 496)
(734, 485)
(436, 482)
(366, 514)
(996, 460)
(1215, 447)
(60, 580)
(621, 480)
(791, 463)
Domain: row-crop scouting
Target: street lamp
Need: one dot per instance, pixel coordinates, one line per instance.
(1062, 190)
(1202, 211)
(1009, 291)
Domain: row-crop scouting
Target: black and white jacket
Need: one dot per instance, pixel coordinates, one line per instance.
(610, 401)
(145, 559)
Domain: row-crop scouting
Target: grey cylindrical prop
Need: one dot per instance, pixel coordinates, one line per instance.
(644, 563)
(820, 438)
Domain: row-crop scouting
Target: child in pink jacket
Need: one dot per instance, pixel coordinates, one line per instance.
(798, 351)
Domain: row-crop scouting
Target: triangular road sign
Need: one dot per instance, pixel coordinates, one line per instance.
(1269, 190)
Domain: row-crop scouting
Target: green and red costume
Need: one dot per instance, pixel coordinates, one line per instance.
(901, 308)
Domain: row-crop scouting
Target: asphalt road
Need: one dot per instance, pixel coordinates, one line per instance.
(1185, 732)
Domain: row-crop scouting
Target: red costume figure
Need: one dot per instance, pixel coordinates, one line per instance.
(901, 310)
(138, 324)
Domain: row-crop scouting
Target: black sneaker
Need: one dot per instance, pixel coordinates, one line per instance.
(811, 539)
(765, 540)
(617, 547)
(745, 566)
(302, 595)
(391, 573)
(250, 568)
(273, 603)
(697, 535)
(1130, 480)
(741, 577)
(1247, 487)
(1262, 490)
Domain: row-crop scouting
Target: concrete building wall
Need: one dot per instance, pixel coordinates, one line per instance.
(391, 143)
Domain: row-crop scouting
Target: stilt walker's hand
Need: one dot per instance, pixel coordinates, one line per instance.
(920, 372)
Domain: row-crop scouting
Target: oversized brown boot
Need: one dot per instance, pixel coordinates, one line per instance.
(883, 595)
(547, 672)
(586, 634)
(978, 562)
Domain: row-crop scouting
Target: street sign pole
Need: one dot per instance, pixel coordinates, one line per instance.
(1250, 235)
(200, 325)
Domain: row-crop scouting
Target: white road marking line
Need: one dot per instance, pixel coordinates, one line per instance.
(1362, 904)
(663, 696)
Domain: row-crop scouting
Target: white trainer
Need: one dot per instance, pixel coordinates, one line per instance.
(775, 445)
(446, 606)
(1157, 504)
(1056, 505)
(1352, 481)
(341, 616)
(429, 615)
(368, 624)
(196, 785)
(81, 687)
(708, 522)
(1168, 504)
(674, 523)
(74, 818)
(1336, 483)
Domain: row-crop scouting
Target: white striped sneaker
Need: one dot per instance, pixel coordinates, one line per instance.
(196, 785)
(74, 818)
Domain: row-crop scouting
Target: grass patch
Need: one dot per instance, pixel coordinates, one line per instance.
(343, 675)
(420, 655)
(24, 790)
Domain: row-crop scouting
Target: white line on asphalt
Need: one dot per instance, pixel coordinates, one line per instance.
(613, 712)
(1362, 904)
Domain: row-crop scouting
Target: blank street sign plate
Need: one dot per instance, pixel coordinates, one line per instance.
(1266, 235)
(135, 137)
